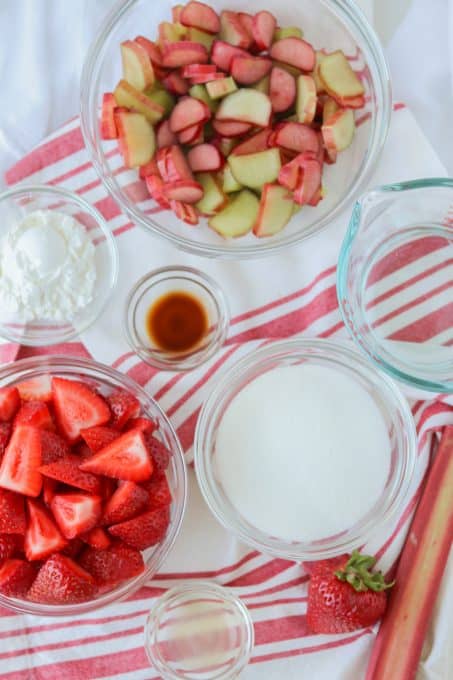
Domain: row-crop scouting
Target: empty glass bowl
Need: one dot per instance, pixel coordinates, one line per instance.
(329, 24)
(395, 281)
(197, 631)
(15, 205)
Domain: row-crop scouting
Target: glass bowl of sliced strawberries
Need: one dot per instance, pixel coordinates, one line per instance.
(231, 133)
(92, 486)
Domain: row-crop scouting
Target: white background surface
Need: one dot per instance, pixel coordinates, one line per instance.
(42, 47)
(43, 43)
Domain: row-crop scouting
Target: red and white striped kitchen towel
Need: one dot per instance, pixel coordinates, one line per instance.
(283, 296)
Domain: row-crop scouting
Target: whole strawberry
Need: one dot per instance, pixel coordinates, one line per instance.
(344, 597)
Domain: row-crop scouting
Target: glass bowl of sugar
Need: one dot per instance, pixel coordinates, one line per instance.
(58, 265)
(304, 450)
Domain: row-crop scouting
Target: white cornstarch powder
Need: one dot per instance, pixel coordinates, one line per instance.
(47, 268)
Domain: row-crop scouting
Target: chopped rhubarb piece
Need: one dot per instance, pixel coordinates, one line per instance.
(129, 97)
(399, 642)
(246, 106)
(282, 89)
(175, 83)
(223, 54)
(136, 137)
(152, 49)
(254, 170)
(148, 169)
(108, 125)
(155, 186)
(137, 66)
(306, 99)
(229, 128)
(309, 181)
(250, 69)
(183, 190)
(204, 79)
(205, 158)
(191, 134)
(177, 165)
(296, 137)
(182, 53)
(164, 136)
(232, 30)
(238, 217)
(263, 29)
(338, 76)
(188, 112)
(295, 52)
(276, 209)
(213, 197)
(198, 69)
(330, 107)
(258, 142)
(171, 32)
(338, 131)
(221, 87)
(199, 15)
(185, 212)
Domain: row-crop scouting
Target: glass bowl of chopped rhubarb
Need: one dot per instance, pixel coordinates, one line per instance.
(235, 134)
(92, 486)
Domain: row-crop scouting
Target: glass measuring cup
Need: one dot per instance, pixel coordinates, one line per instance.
(395, 280)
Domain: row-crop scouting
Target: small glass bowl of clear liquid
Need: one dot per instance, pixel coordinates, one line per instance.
(199, 631)
(395, 281)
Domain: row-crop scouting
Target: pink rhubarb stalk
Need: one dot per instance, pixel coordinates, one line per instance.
(399, 643)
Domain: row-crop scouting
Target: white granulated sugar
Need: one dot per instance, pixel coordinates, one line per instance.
(47, 268)
(303, 452)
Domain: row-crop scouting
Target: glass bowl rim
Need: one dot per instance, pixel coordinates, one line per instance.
(350, 13)
(197, 357)
(113, 258)
(373, 351)
(203, 443)
(202, 588)
(24, 368)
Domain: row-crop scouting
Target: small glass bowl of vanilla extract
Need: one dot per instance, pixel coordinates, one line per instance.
(176, 318)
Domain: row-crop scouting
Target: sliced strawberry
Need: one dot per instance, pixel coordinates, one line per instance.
(10, 544)
(16, 577)
(36, 414)
(5, 433)
(77, 407)
(19, 469)
(53, 447)
(143, 531)
(61, 581)
(68, 470)
(76, 513)
(42, 537)
(201, 16)
(145, 425)
(159, 453)
(123, 406)
(97, 538)
(9, 403)
(158, 490)
(49, 489)
(12, 513)
(73, 548)
(99, 436)
(126, 458)
(112, 565)
(36, 389)
(127, 501)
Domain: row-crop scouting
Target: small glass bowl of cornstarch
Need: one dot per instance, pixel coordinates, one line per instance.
(58, 265)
